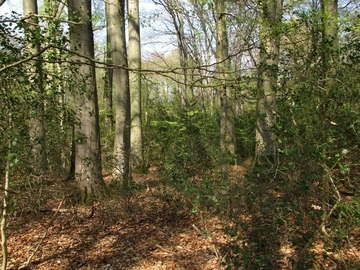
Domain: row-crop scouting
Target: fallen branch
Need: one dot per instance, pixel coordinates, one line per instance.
(84, 213)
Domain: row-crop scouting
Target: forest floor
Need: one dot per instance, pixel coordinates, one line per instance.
(145, 229)
(138, 231)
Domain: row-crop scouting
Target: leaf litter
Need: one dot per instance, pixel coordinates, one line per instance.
(141, 232)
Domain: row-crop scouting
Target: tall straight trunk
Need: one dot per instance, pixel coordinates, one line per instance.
(266, 95)
(183, 57)
(55, 73)
(108, 87)
(87, 132)
(137, 154)
(227, 131)
(330, 46)
(36, 123)
(116, 28)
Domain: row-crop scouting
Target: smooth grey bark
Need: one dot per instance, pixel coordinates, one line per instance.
(108, 82)
(88, 172)
(266, 95)
(121, 91)
(137, 151)
(36, 123)
(227, 131)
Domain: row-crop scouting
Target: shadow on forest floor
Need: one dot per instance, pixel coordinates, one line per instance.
(144, 231)
(153, 229)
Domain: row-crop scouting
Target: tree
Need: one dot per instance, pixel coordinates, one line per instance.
(330, 42)
(118, 52)
(175, 9)
(88, 172)
(55, 84)
(270, 33)
(108, 86)
(36, 123)
(135, 83)
(329, 12)
(227, 135)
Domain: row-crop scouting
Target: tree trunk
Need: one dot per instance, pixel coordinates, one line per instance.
(6, 201)
(108, 87)
(137, 154)
(116, 13)
(182, 43)
(330, 46)
(330, 42)
(36, 124)
(266, 96)
(227, 131)
(87, 136)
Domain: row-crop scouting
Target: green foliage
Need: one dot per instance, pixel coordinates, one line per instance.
(316, 179)
(182, 145)
(245, 134)
(25, 95)
(314, 182)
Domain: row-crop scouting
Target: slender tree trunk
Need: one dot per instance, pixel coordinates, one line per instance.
(330, 46)
(221, 69)
(135, 84)
(174, 9)
(116, 13)
(36, 124)
(266, 96)
(71, 175)
(6, 201)
(54, 72)
(87, 135)
(330, 41)
(227, 132)
(183, 56)
(108, 88)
